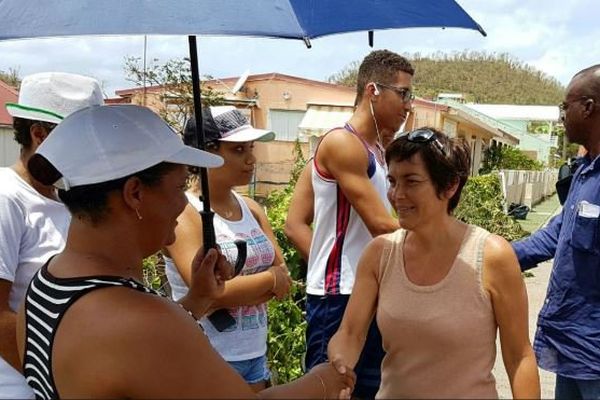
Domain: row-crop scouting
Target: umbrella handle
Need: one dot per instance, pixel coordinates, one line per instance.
(221, 319)
(208, 230)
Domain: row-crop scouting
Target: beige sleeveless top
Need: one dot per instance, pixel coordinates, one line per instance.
(440, 340)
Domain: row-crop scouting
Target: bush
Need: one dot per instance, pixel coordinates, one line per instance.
(277, 204)
(498, 157)
(286, 342)
(287, 324)
(481, 204)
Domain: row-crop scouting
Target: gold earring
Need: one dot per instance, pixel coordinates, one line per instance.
(137, 212)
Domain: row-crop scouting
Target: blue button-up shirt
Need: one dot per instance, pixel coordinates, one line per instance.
(567, 340)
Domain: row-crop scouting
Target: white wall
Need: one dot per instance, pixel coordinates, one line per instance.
(9, 149)
(527, 187)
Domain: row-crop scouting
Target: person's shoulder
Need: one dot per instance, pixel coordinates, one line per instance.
(339, 137)
(498, 254)
(253, 205)
(127, 312)
(378, 243)
(10, 182)
(495, 245)
(13, 194)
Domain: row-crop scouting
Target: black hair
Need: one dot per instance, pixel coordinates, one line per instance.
(592, 74)
(210, 131)
(445, 168)
(91, 201)
(380, 66)
(22, 130)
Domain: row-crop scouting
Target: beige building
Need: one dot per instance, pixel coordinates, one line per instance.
(302, 109)
(456, 120)
(478, 131)
(9, 149)
(271, 101)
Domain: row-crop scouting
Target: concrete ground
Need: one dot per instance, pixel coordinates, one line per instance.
(536, 291)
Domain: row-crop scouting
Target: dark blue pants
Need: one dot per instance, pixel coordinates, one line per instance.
(324, 315)
(576, 389)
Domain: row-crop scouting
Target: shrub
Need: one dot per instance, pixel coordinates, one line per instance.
(287, 324)
(481, 204)
(277, 203)
(286, 342)
(499, 157)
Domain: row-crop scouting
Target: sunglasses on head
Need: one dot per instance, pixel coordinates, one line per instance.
(423, 136)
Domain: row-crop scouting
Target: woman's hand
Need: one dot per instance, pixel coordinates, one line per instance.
(209, 274)
(337, 380)
(281, 281)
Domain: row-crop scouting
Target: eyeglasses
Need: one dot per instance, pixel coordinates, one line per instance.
(565, 104)
(405, 93)
(423, 136)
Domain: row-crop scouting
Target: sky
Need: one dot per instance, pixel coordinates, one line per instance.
(556, 37)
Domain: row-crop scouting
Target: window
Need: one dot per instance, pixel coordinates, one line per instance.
(285, 124)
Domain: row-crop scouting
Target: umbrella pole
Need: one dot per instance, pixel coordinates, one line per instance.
(221, 319)
(208, 230)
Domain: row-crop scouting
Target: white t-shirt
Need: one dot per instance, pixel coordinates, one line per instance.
(32, 229)
(248, 338)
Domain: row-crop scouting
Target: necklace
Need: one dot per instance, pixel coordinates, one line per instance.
(228, 214)
(228, 210)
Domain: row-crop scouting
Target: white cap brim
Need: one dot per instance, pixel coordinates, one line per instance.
(249, 134)
(195, 158)
(34, 114)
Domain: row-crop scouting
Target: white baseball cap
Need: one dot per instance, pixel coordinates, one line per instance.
(52, 96)
(104, 143)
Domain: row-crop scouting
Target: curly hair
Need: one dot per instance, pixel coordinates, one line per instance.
(22, 130)
(380, 66)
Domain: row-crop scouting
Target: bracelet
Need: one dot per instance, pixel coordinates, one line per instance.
(322, 384)
(274, 280)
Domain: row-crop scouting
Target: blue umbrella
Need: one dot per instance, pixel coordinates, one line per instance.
(290, 19)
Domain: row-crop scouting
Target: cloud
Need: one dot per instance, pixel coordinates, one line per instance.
(557, 37)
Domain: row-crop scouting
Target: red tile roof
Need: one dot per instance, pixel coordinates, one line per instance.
(8, 94)
(251, 78)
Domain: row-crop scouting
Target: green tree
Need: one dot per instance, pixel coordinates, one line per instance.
(174, 78)
(482, 77)
(287, 325)
(502, 157)
(481, 203)
(11, 77)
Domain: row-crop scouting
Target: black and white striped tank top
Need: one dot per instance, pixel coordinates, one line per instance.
(48, 298)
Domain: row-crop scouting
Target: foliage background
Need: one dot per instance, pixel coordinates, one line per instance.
(482, 77)
(502, 157)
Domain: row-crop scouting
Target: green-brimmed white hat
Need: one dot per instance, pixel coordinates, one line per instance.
(52, 96)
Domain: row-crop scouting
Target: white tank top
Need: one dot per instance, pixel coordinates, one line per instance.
(339, 234)
(248, 338)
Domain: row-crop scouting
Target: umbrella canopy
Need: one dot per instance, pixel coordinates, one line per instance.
(289, 19)
(299, 19)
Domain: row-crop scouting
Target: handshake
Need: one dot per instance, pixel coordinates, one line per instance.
(336, 379)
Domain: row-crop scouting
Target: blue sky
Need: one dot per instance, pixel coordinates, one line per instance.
(557, 37)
